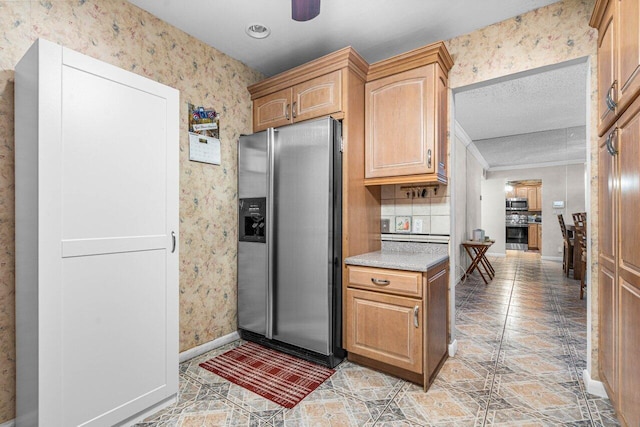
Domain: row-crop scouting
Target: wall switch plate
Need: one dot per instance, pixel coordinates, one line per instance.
(417, 226)
(384, 225)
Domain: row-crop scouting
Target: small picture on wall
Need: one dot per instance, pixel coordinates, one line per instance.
(403, 224)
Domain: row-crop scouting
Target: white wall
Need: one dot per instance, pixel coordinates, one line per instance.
(558, 183)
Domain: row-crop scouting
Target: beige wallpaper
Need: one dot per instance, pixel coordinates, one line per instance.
(121, 34)
(549, 35)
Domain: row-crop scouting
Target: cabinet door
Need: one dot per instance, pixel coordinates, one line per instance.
(629, 400)
(399, 124)
(539, 197)
(539, 227)
(628, 64)
(606, 68)
(442, 121)
(532, 198)
(522, 192)
(385, 328)
(607, 300)
(272, 110)
(628, 159)
(317, 97)
(533, 237)
(437, 314)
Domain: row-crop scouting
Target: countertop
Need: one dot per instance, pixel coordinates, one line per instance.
(403, 256)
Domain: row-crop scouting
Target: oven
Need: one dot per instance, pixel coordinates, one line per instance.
(517, 204)
(517, 236)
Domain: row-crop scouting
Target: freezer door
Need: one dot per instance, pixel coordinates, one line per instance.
(303, 234)
(252, 256)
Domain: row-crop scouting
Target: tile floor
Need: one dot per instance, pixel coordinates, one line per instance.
(521, 353)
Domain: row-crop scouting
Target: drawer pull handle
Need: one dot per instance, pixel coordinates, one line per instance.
(416, 310)
(381, 282)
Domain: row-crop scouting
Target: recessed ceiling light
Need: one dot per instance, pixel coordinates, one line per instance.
(257, 31)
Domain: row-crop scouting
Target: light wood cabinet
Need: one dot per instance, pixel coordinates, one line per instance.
(313, 98)
(406, 118)
(522, 192)
(533, 236)
(539, 197)
(532, 199)
(619, 264)
(618, 24)
(397, 321)
(387, 328)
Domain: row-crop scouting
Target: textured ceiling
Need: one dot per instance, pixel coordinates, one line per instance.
(529, 118)
(552, 146)
(377, 29)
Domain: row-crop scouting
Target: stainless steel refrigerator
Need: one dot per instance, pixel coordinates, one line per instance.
(289, 240)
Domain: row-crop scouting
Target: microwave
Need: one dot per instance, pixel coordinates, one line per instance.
(517, 204)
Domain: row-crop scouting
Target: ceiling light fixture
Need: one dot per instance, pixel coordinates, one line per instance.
(257, 31)
(304, 10)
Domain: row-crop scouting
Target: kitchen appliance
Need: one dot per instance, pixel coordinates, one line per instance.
(289, 244)
(517, 232)
(517, 204)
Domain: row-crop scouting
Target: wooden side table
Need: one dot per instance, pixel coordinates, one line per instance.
(476, 251)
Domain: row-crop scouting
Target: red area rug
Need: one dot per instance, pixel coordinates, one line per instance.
(281, 378)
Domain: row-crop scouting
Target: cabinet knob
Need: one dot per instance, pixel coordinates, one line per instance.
(416, 311)
(381, 282)
(286, 112)
(293, 110)
(429, 157)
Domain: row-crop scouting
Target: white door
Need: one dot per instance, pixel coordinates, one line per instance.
(119, 225)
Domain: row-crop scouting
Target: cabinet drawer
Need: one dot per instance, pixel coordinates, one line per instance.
(384, 280)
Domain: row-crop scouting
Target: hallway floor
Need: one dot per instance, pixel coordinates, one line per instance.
(521, 354)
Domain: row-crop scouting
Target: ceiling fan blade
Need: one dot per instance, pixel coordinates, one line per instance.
(304, 10)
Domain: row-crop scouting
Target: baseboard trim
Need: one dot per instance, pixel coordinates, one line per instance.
(551, 258)
(208, 346)
(593, 386)
(10, 423)
(453, 348)
(130, 422)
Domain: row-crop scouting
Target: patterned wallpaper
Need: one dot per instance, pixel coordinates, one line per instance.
(549, 35)
(119, 33)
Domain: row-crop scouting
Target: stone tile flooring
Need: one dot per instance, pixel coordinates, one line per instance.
(521, 353)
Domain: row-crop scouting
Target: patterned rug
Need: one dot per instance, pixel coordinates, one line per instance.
(281, 378)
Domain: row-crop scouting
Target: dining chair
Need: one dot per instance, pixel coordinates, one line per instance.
(567, 252)
(580, 222)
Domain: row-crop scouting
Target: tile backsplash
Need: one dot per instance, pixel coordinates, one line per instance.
(409, 212)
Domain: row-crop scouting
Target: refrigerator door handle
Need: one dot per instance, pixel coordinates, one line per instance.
(270, 233)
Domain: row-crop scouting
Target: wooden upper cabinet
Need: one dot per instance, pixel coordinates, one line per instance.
(628, 58)
(315, 89)
(539, 196)
(272, 110)
(314, 98)
(606, 69)
(406, 118)
(317, 97)
(397, 140)
(522, 192)
(618, 24)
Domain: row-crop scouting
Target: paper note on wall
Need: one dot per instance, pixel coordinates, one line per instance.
(204, 149)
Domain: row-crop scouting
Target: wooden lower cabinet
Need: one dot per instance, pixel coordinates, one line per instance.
(533, 237)
(619, 264)
(629, 390)
(394, 328)
(385, 327)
